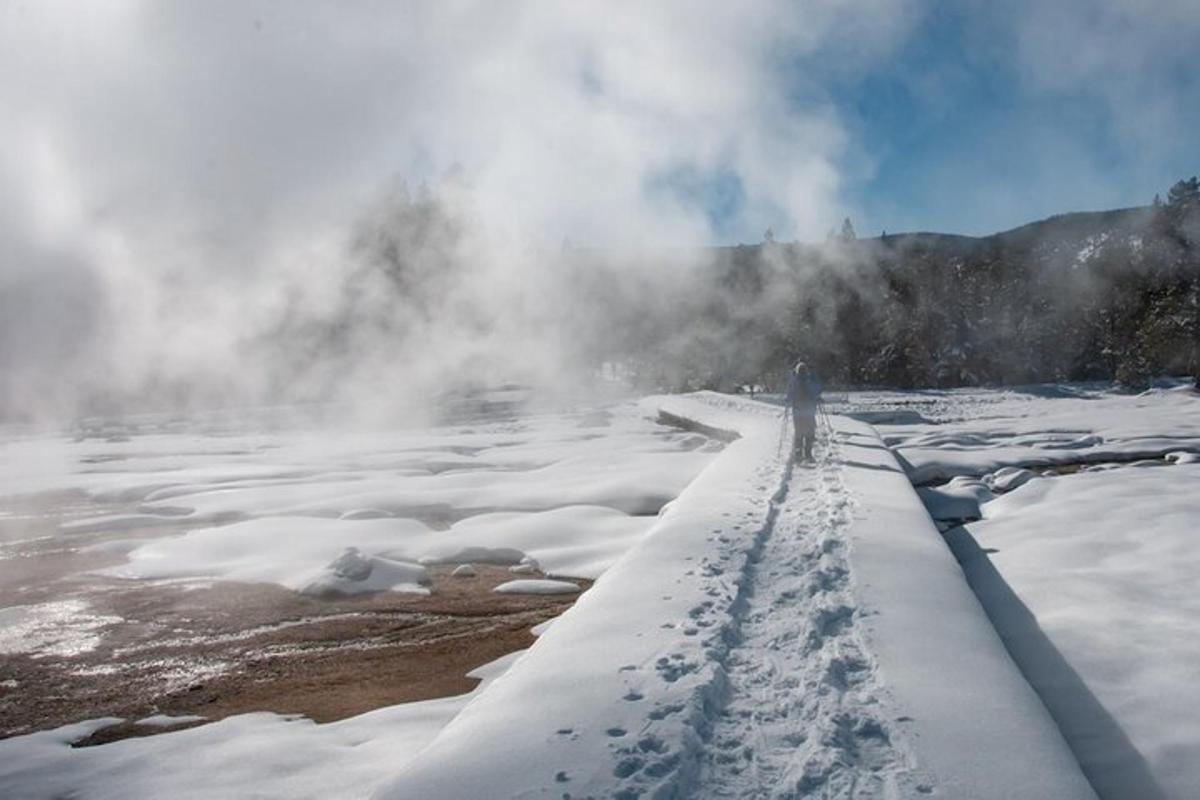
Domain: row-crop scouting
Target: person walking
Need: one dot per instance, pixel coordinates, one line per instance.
(803, 396)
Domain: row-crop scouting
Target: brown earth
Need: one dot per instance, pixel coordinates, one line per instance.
(224, 648)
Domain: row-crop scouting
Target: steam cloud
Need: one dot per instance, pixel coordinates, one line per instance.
(195, 198)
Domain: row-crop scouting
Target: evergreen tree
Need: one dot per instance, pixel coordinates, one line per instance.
(1184, 192)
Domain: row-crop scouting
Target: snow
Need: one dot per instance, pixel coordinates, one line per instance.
(355, 573)
(981, 431)
(573, 491)
(758, 594)
(753, 627)
(1087, 576)
(299, 553)
(167, 720)
(976, 726)
(537, 586)
(302, 553)
(1006, 479)
(249, 755)
(1104, 563)
(960, 499)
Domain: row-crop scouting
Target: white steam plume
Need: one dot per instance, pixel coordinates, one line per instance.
(179, 177)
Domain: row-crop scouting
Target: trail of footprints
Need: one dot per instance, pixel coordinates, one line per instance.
(796, 712)
(801, 716)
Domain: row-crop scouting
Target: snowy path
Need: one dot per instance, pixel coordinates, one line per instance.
(802, 717)
(808, 636)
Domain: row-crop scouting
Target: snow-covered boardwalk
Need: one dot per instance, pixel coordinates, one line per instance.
(776, 634)
(803, 713)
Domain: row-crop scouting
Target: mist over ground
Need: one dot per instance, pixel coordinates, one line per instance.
(213, 204)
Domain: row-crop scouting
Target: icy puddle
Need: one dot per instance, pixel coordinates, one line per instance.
(63, 629)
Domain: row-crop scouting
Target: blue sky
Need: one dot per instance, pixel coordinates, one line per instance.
(979, 121)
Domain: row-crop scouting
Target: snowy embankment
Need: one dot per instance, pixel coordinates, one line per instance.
(772, 633)
(1088, 576)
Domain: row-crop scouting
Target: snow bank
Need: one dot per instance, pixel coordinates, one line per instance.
(167, 720)
(310, 554)
(536, 586)
(579, 541)
(299, 553)
(1006, 479)
(1086, 576)
(961, 499)
(974, 722)
(1091, 580)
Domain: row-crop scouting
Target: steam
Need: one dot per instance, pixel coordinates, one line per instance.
(202, 174)
(215, 203)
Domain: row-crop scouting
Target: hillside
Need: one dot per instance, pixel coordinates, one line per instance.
(1085, 296)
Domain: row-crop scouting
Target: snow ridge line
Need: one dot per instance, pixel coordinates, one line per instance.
(799, 714)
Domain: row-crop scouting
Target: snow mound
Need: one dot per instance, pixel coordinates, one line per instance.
(537, 586)
(298, 553)
(961, 499)
(366, 513)
(480, 555)
(355, 573)
(1008, 478)
(166, 720)
(116, 522)
(464, 571)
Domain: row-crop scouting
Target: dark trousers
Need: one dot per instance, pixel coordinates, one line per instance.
(805, 424)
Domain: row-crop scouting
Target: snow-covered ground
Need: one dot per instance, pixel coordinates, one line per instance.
(571, 491)
(974, 432)
(773, 631)
(1088, 575)
(764, 639)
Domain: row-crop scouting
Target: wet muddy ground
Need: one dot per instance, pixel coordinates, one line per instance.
(78, 646)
